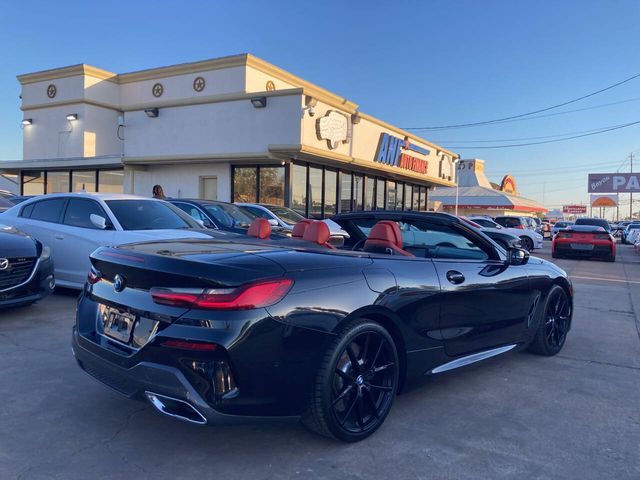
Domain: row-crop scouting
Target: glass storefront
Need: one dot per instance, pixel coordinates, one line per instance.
(63, 181)
(245, 184)
(330, 192)
(259, 184)
(271, 189)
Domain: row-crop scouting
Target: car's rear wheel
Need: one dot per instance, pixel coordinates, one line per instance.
(356, 383)
(556, 320)
(527, 243)
(555, 254)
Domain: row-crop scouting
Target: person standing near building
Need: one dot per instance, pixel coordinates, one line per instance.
(158, 192)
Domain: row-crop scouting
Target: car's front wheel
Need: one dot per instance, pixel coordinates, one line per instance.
(527, 243)
(556, 321)
(356, 383)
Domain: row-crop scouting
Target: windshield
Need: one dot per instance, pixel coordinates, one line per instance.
(229, 215)
(286, 214)
(149, 215)
(594, 221)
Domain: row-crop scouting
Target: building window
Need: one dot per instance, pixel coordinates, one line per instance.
(422, 202)
(110, 181)
(379, 194)
(245, 184)
(33, 183)
(271, 185)
(408, 193)
(330, 192)
(368, 197)
(358, 191)
(399, 196)
(299, 189)
(391, 195)
(57, 182)
(415, 204)
(83, 181)
(315, 192)
(346, 200)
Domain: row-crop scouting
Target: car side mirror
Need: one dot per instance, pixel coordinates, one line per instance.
(273, 222)
(99, 221)
(517, 256)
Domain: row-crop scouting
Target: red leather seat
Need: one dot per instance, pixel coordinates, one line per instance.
(385, 237)
(300, 227)
(260, 228)
(318, 232)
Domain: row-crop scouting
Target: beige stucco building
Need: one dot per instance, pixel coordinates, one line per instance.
(232, 128)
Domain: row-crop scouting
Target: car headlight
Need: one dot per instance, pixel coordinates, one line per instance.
(46, 253)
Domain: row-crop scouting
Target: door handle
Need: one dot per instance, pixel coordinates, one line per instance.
(59, 237)
(455, 277)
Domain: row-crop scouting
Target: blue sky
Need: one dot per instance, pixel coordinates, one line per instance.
(411, 63)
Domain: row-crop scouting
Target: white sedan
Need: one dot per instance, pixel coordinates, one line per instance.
(530, 239)
(73, 225)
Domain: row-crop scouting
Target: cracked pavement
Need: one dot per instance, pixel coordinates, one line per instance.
(576, 415)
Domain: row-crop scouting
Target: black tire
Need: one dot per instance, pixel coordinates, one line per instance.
(611, 258)
(554, 324)
(554, 254)
(527, 243)
(350, 403)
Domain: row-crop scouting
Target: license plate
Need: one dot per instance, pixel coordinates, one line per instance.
(582, 246)
(117, 324)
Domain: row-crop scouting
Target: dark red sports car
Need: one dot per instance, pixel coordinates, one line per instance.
(584, 241)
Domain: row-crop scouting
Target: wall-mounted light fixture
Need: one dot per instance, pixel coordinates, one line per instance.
(309, 101)
(72, 116)
(259, 102)
(152, 112)
(355, 118)
(27, 121)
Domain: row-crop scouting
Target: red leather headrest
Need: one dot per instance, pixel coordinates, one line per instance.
(260, 228)
(387, 231)
(301, 227)
(317, 232)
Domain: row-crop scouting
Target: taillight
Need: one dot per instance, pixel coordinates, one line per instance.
(564, 235)
(93, 277)
(244, 297)
(520, 227)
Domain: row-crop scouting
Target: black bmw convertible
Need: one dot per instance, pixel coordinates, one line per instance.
(238, 327)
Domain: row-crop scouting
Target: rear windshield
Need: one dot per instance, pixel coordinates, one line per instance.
(509, 222)
(286, 215)
(149, 215)
(593, 221)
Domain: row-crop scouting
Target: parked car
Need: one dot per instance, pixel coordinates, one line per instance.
(546, 229)
(6, 194)
(211, 331)
(16, 199)
(501, 237)
(217, 215)
(633, 233)
(559, 226)
(627, 229)
(584, 241)
(26, 268)
(5, 204)
(277, 216)
(73, 225)
(530, 239)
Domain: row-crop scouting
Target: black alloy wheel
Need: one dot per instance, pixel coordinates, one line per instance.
(356, 384)
(556, 321)
(527, 243)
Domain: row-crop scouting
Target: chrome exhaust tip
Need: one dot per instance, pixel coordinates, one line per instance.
(176, 408)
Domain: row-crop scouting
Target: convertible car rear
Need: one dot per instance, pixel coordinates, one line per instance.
(584, 241)
(218, 330)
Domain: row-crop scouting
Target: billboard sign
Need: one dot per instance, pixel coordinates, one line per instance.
(610, 200)
(574, 209)
(614, 183)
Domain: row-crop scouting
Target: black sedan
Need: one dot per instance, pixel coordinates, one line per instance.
(219, 330)
(216, 215)
(26, 269)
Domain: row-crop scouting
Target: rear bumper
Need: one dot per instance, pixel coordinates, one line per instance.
(147, 377)
(567, 249)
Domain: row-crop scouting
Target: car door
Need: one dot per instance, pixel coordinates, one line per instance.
(78, 237)
(483, 302)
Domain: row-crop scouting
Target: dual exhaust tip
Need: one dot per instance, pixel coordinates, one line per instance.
(176, 408)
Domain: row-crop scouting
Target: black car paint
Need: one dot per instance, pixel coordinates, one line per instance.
(19, 249)
(275, 352)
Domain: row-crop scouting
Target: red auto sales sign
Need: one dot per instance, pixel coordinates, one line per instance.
(574, 209)
(614, 182)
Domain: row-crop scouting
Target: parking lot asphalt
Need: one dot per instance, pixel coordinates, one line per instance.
(576, 415)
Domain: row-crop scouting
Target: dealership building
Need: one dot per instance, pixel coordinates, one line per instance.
(233, 129)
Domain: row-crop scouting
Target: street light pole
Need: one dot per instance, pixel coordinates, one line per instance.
(457, 169)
